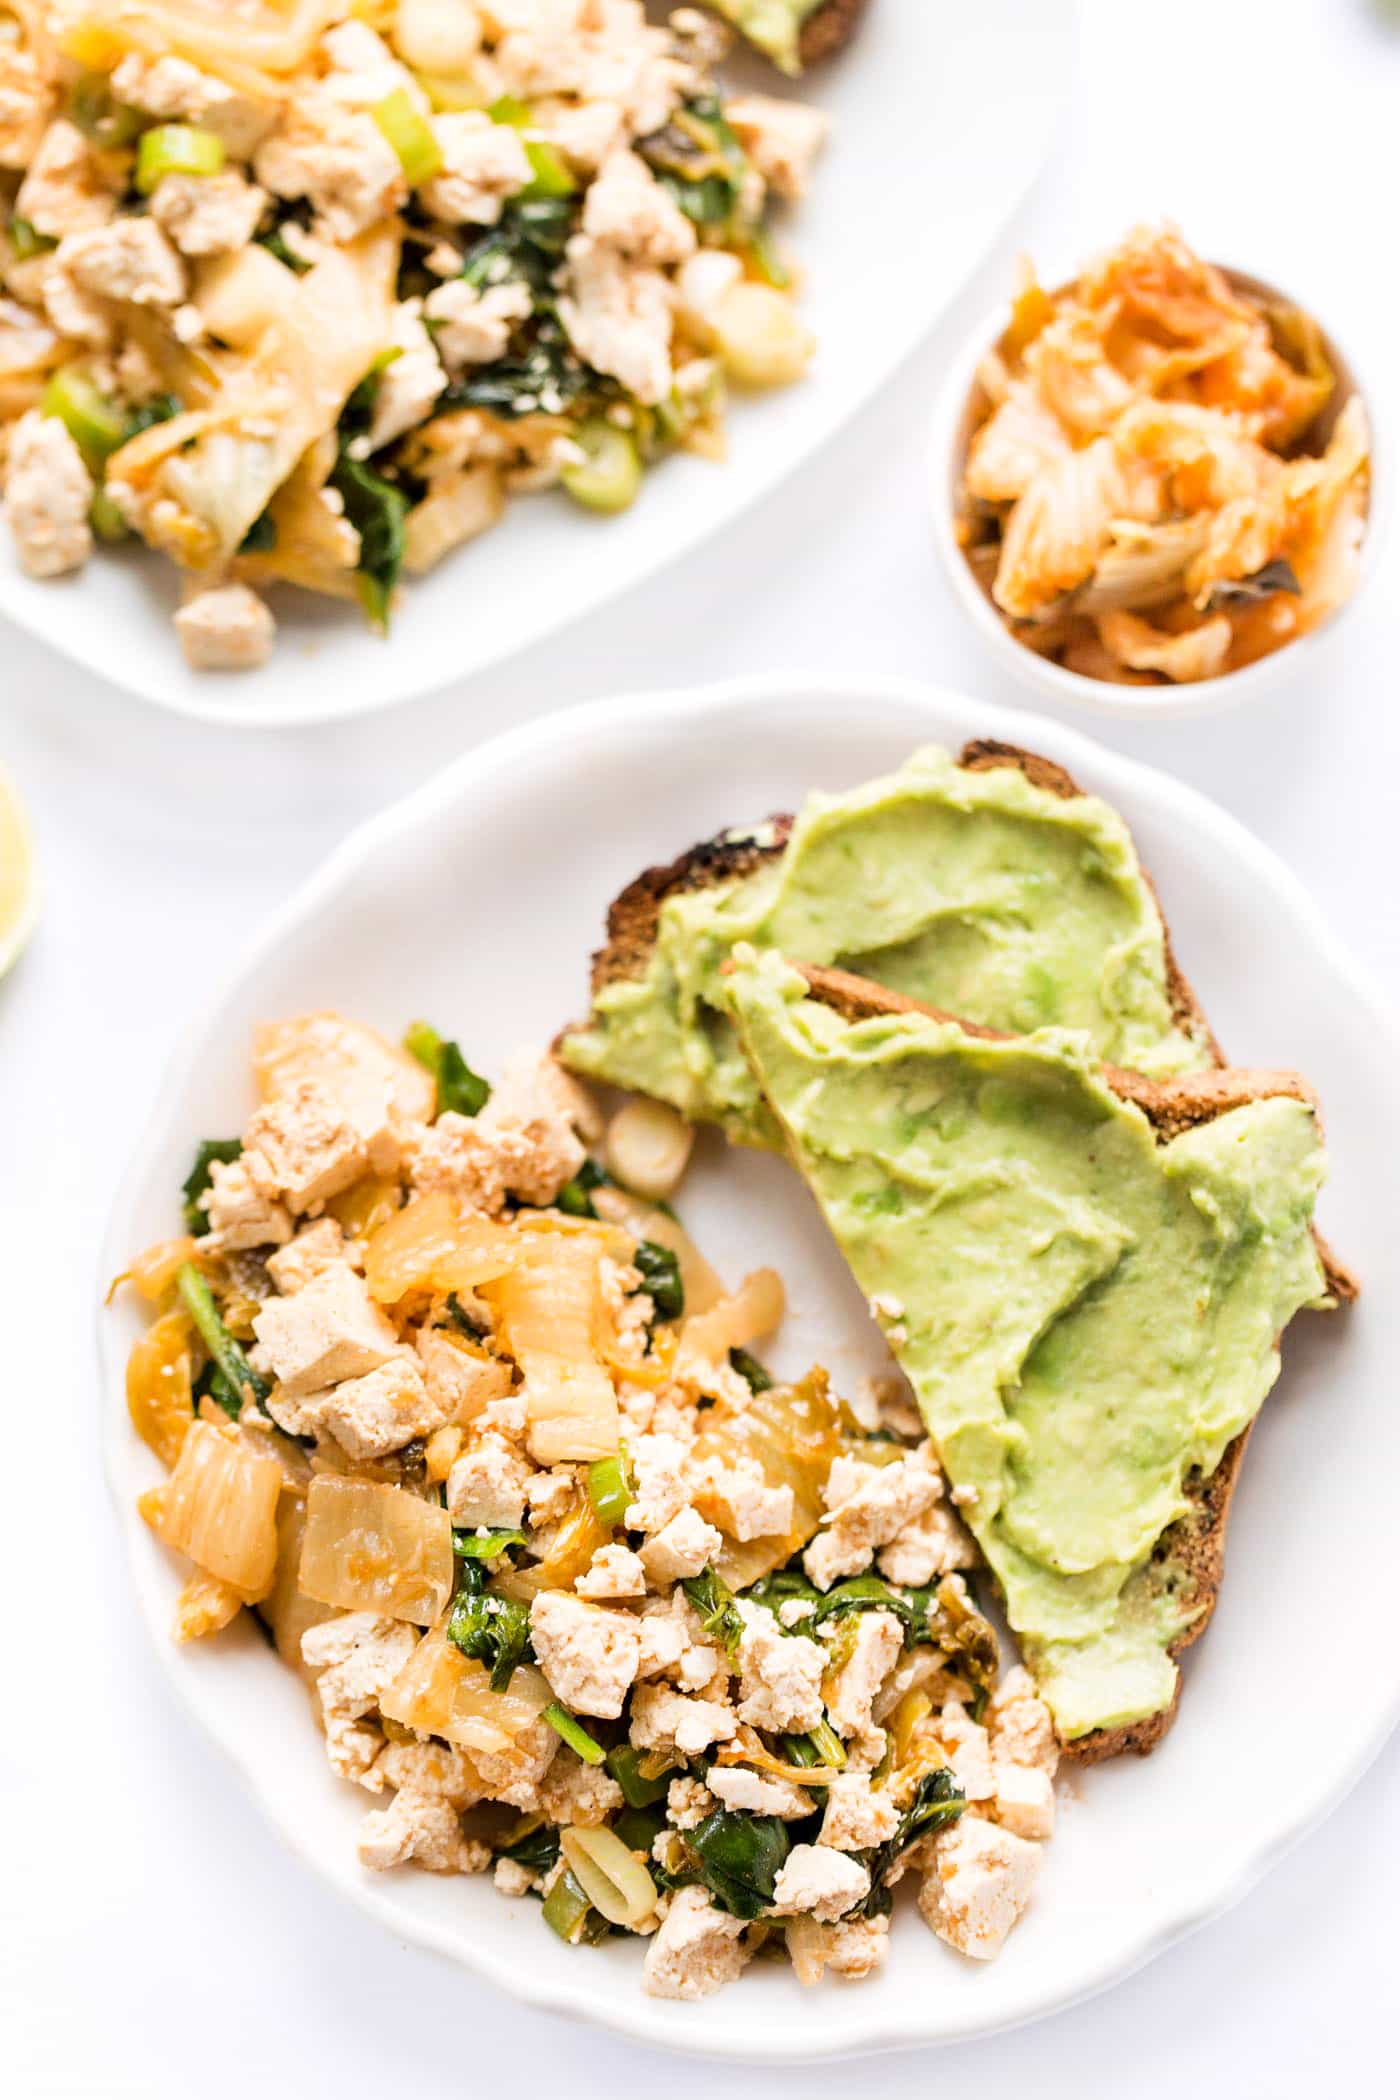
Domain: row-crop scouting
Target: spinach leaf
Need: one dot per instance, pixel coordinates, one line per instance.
(377, 509)
(938, 1801)
(261, 536)
(472, 1545)
(739, 1859)
(756, 1376)
(661, 1275)
(537, 1850)
(492, 1630)
(575, 1199)
(714, 1600)
(458, 1086)
(544, 374)
(163, 409)
(240, 1382)
(699, 162)
(196, 1182)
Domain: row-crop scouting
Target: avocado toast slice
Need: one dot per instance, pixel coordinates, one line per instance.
(989, 885)
(795, 34)
(1084, 1274)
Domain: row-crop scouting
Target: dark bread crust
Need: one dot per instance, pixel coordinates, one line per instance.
(828, 29)
(634, 913)
(1194, 1545)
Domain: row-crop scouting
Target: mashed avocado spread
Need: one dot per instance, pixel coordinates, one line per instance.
(971, 891)
(1087, 1316)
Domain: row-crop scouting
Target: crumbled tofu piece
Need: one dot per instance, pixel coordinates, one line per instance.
(208, 214)
(225, 629)
(68, 308)
(968, 1749)
(680, 1549)
(573, 1792)
(25, 103)
(1020, 1724)
(128, 260)
(585, 133)
(793, 1610)
(688, 1802)
(857, 1817)
(48, 492)
(935, 1543)
(172, 87)
(596, 51)
(511, 1879)
(855, 1947)
(460, 1378)
(780, 1684)
(240, 1214)
(782, 139)
(1023, 1799)
(664, 1641)
(300, 1261)
(482, 164)
(816, 1882)
(737, 1497)
(473, 326)
(337, 158)
(380, 1411)
(875, 1650)
(538, 1107)
(517, 1775)
(487, 1484)
(756, 1795)
(664, 1719)
(867, 1507)
(301, 1148)
(68, 188)
(696, 1950)
(618, 315)
(332, 1329)
(627, 210)
(588, 1654)
(980, 1882)
(408, 386)
(363, 68)
(357, 1656)
(424, 1820)
(550, 1497)
(658, 1467)
(614, 1571)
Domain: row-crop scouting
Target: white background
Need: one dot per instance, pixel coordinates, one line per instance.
(155, 1939)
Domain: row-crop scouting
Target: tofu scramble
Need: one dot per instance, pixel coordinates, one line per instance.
(1162, 484)
(584, 1598)
(303, 291)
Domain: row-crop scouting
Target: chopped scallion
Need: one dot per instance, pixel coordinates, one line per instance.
(610, 1489)
(574, 1734)
(411, 136)
(176, 149)
(224, 1352)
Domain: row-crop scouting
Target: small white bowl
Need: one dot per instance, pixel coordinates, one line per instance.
(951, 433)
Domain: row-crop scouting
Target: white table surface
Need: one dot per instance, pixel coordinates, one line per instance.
(156, 1940)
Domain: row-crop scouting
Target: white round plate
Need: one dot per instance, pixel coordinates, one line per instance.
(909, 197)
(476, 903)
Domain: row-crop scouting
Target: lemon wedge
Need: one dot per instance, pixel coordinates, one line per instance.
(19, 876)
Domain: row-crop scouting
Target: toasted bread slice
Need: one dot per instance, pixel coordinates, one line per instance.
(827, 30)
(1195, 1545)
